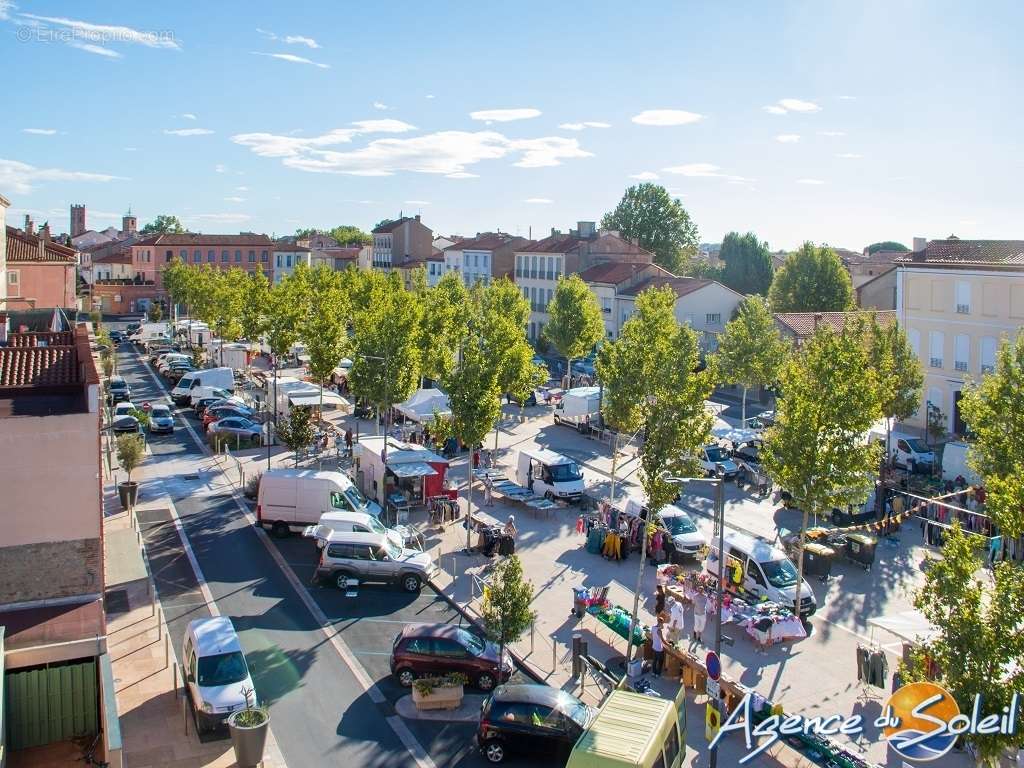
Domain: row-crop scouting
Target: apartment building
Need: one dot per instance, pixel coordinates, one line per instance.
(484, 258)
(404, 239)
(52, 622)
(248, 251)
(540, 263)
(957, 299)
(287, 256)
(38, 271)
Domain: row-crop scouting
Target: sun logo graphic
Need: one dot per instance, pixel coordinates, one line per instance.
(920, 716)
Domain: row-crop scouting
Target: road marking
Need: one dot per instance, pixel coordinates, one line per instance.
(409, 741)
(200, 578)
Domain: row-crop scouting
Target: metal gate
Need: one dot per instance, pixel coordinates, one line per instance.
(52, 703)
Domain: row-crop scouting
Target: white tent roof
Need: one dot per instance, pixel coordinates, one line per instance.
(910, 626)
(312, 398)
(421, 406)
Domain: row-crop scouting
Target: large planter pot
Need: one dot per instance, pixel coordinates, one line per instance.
(128, 492)
(439, 698)
(248, 742)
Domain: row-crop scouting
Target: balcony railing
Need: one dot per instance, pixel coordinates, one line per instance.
(960, 366)
(963, 309)
(935, 362)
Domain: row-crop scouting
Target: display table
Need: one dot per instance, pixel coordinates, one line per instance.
(617, 619)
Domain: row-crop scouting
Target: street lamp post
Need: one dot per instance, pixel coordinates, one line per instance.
(387, 419)
(719, 484)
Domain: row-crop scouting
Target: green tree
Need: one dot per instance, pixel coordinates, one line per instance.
(506, 607)
(898, 371)
(227, 305)
(325, 323)
(748, 263)
(176, 276)
(651, 382)
(816, 450)
(648, 214)
(163, 224)
(886, 245)
(812, 280)
(296, 430)
(442, 326)
(130, 452)
(979, 645)
(255, 306)
(348, 234)
(575, 322)
(751, 350)
(155, 313)
(284, 314)
(994, 411)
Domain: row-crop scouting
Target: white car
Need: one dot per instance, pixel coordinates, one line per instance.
(716, 462)
(686, 536)
(123, 418)
(216, 675)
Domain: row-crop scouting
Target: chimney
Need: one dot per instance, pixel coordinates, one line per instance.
(44, 231)
(30, 227)
(417, 217)
(920, 243)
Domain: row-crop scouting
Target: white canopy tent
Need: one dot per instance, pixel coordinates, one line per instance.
(311, 398)
(421, 406)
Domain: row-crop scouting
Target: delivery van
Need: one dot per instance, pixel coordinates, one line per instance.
(580, 407)
(550, 475)
(632, 730)
(205, 377)
(293, 499)
(757, 570)
(954, 463)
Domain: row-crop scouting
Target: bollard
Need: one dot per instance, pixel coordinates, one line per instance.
(554, 654)
(577, 642)
(160, 623)
(174, 671)
(167, 650)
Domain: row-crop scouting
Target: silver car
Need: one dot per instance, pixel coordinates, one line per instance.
(160, 419)
(236, 426)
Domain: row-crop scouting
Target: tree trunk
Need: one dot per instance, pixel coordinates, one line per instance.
(469, 501)
(568, 371)
(888, 440)
(800, 562)
(615, 462)
(639, 586)
(743, 409)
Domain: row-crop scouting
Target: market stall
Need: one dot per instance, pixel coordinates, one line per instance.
(423, 404)
(412, 471)
(498, 482)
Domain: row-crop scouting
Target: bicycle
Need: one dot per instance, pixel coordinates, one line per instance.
(89, 752)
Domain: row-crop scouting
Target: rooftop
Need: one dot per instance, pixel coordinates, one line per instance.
(391, 226)
(613, 272)
(802, 324)
(23, 247)
(953, 250)
(198, 238)
(554, 244)
(48, 625)
(681, 285)
(488, 241)
(286, 247)
(45, 374)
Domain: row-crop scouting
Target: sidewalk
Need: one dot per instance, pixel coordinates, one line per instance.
(155, 730)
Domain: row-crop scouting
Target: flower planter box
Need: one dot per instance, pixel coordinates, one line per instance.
(439, 698)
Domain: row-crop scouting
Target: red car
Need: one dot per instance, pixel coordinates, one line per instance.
(211, 415)
(429, 650)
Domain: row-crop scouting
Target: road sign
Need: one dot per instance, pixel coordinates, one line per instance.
(712, 720)
(714, 665)
(712, 688)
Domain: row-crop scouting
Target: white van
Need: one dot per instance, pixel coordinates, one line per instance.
(579, 407)
(293, 499)
(954, 463)
(205, 377)
(756, 570)
(686, 536)
(550, 475)
(216, 674)
(347, 521)
(907, 452)
(198, 393)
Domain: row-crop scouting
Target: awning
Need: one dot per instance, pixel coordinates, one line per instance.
(413, 469)
(736, 435)
(910, 626)
(307, 398)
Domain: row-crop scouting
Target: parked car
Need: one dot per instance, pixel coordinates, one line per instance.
(716, 462)
(175, 371)
(435, 649)
(156, 352)
(533, 721)
(118, 390)
(372, 557)
(132, 328)
(216, 412)
(215, 671)
(161, 419)
(116, 336)
(763, 420)
(124, 419)
(222, 398)
(236, 426)
(164, 360)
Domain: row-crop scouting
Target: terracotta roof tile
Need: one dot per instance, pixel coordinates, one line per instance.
(488, 241)
(199, 239)
(24, 247)
(552, 244)
(953, 250)
(613, 272)
(41, 339)
(391, 226)
(681, 285)
(38, 366)
(802, 324)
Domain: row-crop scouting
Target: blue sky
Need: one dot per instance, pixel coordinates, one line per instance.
(843, 123)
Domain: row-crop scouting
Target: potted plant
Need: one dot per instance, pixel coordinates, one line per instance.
(443, 692)
(129, 456)
(252, 486)
(248, 729)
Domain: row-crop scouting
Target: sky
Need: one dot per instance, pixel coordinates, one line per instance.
(841, 123)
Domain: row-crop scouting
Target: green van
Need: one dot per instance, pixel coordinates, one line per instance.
(636, 731)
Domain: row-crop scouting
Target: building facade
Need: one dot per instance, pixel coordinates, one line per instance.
(402, 240)
(287, 257)
(39, 272)
(151, 255)
(484, 258)
(4, 205)
(957, 300)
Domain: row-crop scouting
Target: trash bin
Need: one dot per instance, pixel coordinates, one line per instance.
(860, 549)
(818, 560)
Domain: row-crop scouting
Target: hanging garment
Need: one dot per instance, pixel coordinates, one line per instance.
(878, 669)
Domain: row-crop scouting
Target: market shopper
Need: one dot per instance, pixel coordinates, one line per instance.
(676, 619)
(510, 527)
(348, 441)
(700, 615)
(658, 643)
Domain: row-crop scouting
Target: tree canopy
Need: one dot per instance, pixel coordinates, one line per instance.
(344, 234)
(812, 280)
(164, 224)
(898, 371)
(506, 607)
(575, 322)
(648, 214)
(748, 263)
(751, 350)
(886, 245)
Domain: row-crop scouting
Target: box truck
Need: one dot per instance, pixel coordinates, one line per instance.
(205, 377)
(579, 408)
(550, 475)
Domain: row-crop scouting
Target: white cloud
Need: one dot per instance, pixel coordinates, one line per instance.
(189, 116)
(98, 50)
(415, 202)
(833, 134)
(220, 168)
(850, 156)
(380, 105)
(504, 115)
(581, 126)
(241, 189)
(188, 132)
(538, 200)
(812, 182)
(448, 153)
(40, 131)
(663, 117)
(105, 33)
(292, 58)
(462, 175)
(22, 177)
(300, 40)
(131, 149)
(788, 138)
(429, 96)
(645, 176)
(848, 98)
(774, 109)
(782, 106)
(705, 171)
(220, 218)
(5, 9)
(235, 199)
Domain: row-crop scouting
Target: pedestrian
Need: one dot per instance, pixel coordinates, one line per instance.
(659, 600)
(658, 643)
(348, 441)
(510, 527)
(700, 616)
(676, 619)
(488, 501)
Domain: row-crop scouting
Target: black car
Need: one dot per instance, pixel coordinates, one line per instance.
(118, 390)
(116, 336)
(531, 720)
